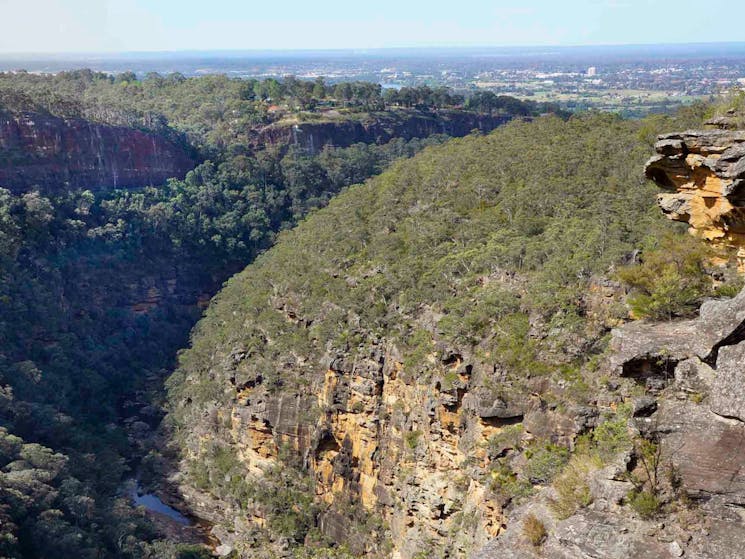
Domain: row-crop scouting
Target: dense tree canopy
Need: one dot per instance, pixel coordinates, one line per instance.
(75, 349)
(98, 291)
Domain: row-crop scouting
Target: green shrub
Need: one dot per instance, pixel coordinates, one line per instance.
(322, 553)
(696, 397)
(644, 503)
(199, 474)
(505, 483)
(572, 491)
(412, 439)
(611, 436)
(509, 437)
(731, 287)
(163, 549)
(285, 494)
(545, 462)
(418, 347)
(186, 551)
(670, 281)
(515, 349)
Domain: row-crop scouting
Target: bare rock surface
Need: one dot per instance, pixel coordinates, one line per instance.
(640, 347)
(705, 449)
(704, 174)
(696, 413)
(38, 150)
(728, 390)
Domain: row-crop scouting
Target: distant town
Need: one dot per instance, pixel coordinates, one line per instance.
(632, 80)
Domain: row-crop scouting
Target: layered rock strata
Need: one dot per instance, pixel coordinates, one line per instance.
(50, 153)
(704, 174)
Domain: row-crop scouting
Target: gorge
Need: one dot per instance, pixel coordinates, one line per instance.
(438, 401)
(102, 283)
(412, 340)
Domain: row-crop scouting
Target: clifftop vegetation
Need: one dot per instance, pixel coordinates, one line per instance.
(474, 268)
(216, 113)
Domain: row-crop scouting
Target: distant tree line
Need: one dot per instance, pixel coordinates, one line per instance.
(219, 106)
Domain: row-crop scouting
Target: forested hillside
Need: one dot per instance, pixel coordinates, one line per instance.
(481, 258)
(419, 355)
(100, 289)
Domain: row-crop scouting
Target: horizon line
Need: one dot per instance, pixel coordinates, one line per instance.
(355, 50)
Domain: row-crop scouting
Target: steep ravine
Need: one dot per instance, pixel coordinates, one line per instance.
(154, 295)
(391, 357)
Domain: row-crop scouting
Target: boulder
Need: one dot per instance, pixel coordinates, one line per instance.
(643, 349)
(728, 391)
(705, 450)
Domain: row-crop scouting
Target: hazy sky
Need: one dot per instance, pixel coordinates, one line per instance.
(132, 25)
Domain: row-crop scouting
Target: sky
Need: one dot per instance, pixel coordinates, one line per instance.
(62, 26)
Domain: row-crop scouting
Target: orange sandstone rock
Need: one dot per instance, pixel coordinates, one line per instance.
(704, 174)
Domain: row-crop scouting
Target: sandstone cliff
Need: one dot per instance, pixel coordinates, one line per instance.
(704, 174)
(376, 128)
(386, 358)
(38, 150)
(416, 456)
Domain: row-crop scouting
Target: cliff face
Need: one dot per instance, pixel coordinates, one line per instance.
(386, 352)
(704, 173)
(50, 152)
(414, 455)
(377, 128)
(690, 401)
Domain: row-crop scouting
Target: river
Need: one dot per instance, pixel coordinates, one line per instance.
(153, 504)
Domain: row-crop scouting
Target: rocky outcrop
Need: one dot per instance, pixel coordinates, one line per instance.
(376, 128)
(588, 535)
(44, 151)
(704, 173)
(644, 349)
(691, 373)
(705, 359)
(731, 119)
(413, 454)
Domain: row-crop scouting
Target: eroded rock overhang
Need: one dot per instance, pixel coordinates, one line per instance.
(703, 173)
